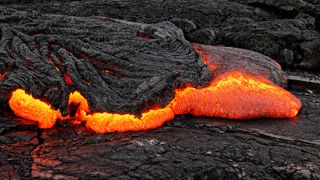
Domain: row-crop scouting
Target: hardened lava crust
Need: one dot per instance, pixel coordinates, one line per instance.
(118, 66)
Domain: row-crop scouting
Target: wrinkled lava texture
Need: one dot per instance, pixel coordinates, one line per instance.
(285, 30)
(120, 76)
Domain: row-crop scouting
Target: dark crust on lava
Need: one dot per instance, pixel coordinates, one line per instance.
(145, 63)
(118, 66)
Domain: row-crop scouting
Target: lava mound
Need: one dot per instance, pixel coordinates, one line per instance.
(118, 75)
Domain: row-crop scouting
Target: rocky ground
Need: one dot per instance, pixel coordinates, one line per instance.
(187, 147)
(286, 30)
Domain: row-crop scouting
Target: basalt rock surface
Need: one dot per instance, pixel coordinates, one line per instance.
(285, 30)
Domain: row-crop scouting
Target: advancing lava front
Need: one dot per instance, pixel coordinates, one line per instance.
(124, 76)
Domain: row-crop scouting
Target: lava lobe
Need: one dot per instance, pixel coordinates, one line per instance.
(125, 76)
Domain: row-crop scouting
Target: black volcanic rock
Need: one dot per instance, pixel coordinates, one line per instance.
(187, 147)
(276, 28)
(310, 51)
(278, 39)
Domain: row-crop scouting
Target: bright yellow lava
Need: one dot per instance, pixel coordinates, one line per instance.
(233, 95)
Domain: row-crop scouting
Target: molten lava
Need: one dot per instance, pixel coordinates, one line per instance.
(26, 106)
(234, 95)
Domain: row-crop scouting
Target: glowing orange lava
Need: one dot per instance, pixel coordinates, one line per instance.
(233, 95)
(236, 95)
(26, 106)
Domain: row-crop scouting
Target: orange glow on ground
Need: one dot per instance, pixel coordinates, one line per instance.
(233, 95)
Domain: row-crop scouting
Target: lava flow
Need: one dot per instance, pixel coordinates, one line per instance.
(234, 95)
